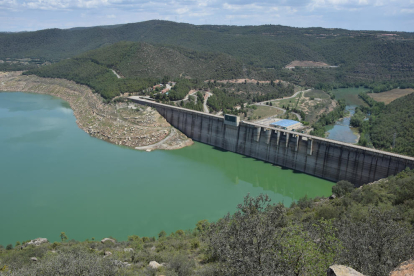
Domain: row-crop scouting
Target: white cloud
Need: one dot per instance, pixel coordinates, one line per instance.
(407, 11)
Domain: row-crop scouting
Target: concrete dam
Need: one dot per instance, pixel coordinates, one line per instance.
(328, 159)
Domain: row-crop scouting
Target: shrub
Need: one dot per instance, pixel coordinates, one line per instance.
(305, 202)
(9, 247)
(162, 234)
(342, 188)
(182, 265)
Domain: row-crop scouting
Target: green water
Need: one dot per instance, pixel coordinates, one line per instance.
(54, 177)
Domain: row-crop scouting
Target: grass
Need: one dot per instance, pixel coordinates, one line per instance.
(287, 102)
(389, 96)
(317, 94)
(350, 95)
(264, 112)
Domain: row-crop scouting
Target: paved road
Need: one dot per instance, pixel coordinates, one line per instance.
(207, 95)
(153, 146)
(116, 74)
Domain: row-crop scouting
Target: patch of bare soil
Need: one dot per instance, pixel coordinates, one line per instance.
(239, 81)
(306, 63)
(125, 123)
(389, 96)
(316, 107)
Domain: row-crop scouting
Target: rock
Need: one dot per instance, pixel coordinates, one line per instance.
(108, 253)
(36, 242)
(34, 259)
(404, 269)
(332, 197)
(121, 264)
(154, 264)
(108, 239)
(128, 250)
(153, 248)
(341, 270)
(148, 150)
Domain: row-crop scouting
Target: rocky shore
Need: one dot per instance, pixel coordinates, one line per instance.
(121, 123)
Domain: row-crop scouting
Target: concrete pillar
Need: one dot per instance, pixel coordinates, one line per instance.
(310, 145)
(257, 133)
(287, 139)
(278, 137)
(268, 136)
(297, 142)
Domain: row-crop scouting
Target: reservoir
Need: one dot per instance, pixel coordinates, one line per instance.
(56, 178)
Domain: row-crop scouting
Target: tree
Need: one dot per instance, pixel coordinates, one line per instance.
(63, 236)
(9, 247)
(246, 242)
(202, 226)
(376, 244)
(307, 253)
(342, 188)
(162, 234)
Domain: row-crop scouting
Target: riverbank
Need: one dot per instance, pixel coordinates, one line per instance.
(121, 123)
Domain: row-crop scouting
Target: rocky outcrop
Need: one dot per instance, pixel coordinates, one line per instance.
(123, 123)
(36, 242)
(154, 264)
(404, 269)
(341, 270)
(107, 239)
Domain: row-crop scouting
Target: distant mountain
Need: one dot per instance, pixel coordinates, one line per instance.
(361, 55)
(141, 65)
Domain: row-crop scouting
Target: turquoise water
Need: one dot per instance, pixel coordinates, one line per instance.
(56, 178)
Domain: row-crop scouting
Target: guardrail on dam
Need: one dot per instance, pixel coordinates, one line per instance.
(313, 155)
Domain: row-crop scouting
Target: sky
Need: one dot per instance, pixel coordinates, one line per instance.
(30, 15)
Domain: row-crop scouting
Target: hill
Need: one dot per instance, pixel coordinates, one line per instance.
(142, 65)
(396, 117)
(360, 55)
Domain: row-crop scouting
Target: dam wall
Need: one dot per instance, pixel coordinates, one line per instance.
(313, 155)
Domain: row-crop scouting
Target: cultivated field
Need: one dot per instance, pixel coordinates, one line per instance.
(389, 96)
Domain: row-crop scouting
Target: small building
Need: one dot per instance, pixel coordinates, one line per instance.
(287, 124)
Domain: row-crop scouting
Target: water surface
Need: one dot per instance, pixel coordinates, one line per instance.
(341, 130)
(54, 177)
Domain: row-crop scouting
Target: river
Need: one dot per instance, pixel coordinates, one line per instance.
(56, 178)
(341, 130)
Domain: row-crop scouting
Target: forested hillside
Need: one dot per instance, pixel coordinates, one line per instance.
(360, 55)
(142, 65)
(395, 118)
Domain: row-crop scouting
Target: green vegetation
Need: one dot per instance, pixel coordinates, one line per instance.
(385, 121)
(362, 56)
(142, 66)
(327, 119)
(259, 239)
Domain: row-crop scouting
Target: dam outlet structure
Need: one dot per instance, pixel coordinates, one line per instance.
(325, 158)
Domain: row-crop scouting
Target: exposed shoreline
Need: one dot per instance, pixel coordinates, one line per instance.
(124, 124)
